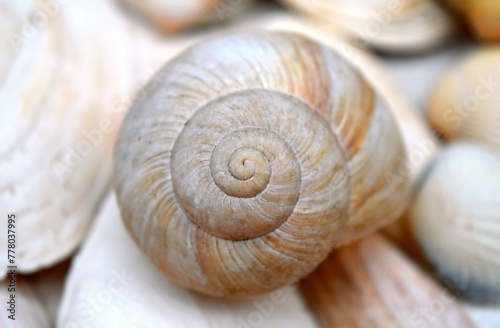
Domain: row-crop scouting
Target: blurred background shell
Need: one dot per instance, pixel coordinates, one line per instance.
(59, 83)
(465, 102)
(173, 16)
(455, 217)
(29, 309)
(389, 26)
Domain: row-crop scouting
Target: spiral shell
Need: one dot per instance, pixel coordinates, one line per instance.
(456, 218)
(464, 104)
(393, 26)
(57, 125)
(253, 157)
(172, 16)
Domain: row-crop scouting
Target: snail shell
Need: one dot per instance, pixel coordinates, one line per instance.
(252, 156)
(464, 104)
(171, 16)
(456, 218)
(56, 121)
(393, 26)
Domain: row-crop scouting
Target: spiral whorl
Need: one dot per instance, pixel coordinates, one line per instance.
(248, 171)
(236, 165)
(246, 165)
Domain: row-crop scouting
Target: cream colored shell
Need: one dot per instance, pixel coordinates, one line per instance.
(394, 26)
(173, 15)
(456, 219)
(465, 102)
(254, 156)
(59, 82)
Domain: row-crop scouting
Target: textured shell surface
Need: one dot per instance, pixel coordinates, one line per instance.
(456, 219)
(464, 103)
(393, 26)
(250, 158)
(173, 15)
(56, 121)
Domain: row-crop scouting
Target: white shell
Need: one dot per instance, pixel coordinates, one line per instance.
(456, 219)
(60, 80)
(394, 26)
(112, 285)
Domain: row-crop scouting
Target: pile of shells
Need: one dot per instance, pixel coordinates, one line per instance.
(252, 165)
